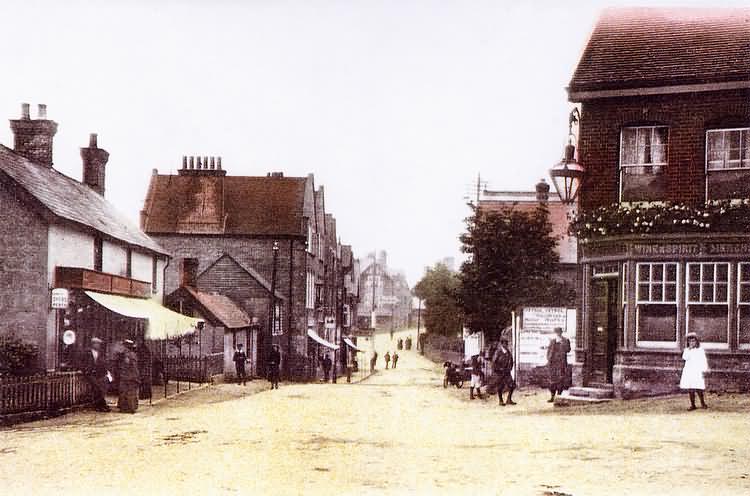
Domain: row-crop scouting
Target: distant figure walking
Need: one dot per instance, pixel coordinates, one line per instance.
(476, 377)
(557, 364)
(130, 379)
(395, 359)
(94, 368)
(693, 374)
(274, 360)
(387, 359)
(373, 361)
(326, 367)
(502, 364)
(240, 357)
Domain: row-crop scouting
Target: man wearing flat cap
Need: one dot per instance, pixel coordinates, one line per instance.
(127, 400)
(94, 367)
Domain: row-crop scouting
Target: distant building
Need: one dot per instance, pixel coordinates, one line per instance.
(384, 292)
(559, 218)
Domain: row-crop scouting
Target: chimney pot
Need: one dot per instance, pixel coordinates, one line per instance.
(213, 163)
(191, 164)
(25, 113)
(205, 163)
(42, 111)
(184, 161)
(92, 140)
(218, 163)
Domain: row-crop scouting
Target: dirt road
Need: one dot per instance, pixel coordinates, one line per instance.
(398, 432)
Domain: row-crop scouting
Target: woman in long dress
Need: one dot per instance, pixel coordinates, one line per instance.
(693, 373)
(127, 400)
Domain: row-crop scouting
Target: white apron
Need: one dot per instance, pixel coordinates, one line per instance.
(695, 365)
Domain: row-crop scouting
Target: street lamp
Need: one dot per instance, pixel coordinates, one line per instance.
(568, 173)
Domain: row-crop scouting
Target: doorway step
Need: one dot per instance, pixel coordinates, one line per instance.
(598, 393)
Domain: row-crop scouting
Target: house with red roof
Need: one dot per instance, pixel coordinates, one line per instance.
(663, 243)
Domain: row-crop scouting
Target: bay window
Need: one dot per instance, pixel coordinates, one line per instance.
(707, 302)
(728, 163)
(643, 159)
(656, 304)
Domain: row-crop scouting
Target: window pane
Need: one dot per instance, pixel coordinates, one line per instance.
(657, 292)
(643, 271)
(643, 292)
(670, 292)
(715, 149)
(694, 292)
(745, 293)
(694, 272)
(708, 272)
(721, 293)
(659, 146)
(744, 324)
(722, 272)
(657, 273)
(627, 155)
(707, 292)
(732, 143)
(709, 322)
(657, 322)
(671, 272)
(744, 272)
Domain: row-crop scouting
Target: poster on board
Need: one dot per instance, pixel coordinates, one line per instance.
(537, 328)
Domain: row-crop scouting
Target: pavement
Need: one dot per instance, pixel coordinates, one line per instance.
(397, 432)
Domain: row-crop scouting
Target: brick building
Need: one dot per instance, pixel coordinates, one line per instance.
(559, 218)
(248, 238)
(385, 293)
(58, 232)
(664, 137)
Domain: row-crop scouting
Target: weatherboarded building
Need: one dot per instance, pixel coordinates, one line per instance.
(664, 249)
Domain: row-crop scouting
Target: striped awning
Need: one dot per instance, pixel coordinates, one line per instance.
(352, 345)
(314, 336)
(163, 323)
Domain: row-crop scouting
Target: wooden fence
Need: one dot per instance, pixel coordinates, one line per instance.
(194, 369)
(43, 392)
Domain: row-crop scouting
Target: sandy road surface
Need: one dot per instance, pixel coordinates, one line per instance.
(398, 432)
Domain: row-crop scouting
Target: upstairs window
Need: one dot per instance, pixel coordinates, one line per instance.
(643, 160)
(728, 163)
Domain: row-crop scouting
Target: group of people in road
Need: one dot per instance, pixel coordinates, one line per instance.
(94, 365)
(388, 357)
(273, 361)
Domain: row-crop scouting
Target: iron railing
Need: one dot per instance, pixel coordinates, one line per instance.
(194, 368)
(43, 392)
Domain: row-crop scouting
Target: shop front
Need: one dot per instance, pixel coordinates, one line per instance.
(643, 293)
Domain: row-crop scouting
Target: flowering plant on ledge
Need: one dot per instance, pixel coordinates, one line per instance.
(662, 218)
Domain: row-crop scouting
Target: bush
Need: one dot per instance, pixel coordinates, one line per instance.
(18, 357)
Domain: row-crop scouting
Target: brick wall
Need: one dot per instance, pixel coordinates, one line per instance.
(24, 296)
(688, 116)
(257, 254)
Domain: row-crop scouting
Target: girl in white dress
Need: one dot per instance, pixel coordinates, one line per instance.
(693, 374)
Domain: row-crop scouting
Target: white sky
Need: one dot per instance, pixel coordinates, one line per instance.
(395, 106)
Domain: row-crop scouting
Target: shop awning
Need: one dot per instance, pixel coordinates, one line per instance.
(163, 323)
(314, 336)
(352, 345)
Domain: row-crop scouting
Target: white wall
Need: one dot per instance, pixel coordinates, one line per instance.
(114, 258)
(68, 247)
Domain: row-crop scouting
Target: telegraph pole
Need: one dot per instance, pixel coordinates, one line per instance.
(374, 276)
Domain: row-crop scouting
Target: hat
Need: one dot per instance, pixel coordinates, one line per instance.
(96, 340)
(691, 335)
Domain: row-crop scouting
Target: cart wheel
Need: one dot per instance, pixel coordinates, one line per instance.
(445, 382)
(460, 384)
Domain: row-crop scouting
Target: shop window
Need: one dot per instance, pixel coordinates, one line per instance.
(728, 163)
(707, 302)
(743, 305)
(643, 160)
(656, 304)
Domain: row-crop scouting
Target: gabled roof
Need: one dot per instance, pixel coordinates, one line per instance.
(221, 308)
(239, 205)
(71, 200)
(249, 270)
(652, 47)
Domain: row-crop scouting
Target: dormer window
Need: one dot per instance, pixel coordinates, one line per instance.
(643, 159)
(728, 163)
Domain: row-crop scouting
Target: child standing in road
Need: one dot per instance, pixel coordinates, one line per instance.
(476, 378)
(693, 374)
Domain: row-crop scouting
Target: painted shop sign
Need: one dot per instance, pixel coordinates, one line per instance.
(728, 248)
(666, 249)
(538, 328)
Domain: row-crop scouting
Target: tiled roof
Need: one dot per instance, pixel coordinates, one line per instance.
(222, 308)
(246, 205)
(71, 200)
(650, 47)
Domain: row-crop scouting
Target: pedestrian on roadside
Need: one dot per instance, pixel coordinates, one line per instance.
(326, 367)
(240, 357)
(129, 379)
(476, 378)
(94, 368)
(502, 364)
(144, 368)
(395, 359)
(557, 364)
(274, 360)
(373, 361)
(694, 371)
(387, 359)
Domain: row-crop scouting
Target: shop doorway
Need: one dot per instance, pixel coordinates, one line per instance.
(603, 330)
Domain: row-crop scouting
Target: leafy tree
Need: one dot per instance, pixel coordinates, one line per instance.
(439, 290)
(511, 256)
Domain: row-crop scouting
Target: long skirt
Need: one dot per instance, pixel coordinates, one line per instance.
(127, 401)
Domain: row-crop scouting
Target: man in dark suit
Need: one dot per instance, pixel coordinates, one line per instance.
(557, 364)
(94, 368)
(274, 360)
(327, 363)
(502, 365)
(239, 358)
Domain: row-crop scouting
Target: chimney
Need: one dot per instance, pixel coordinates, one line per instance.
(201, 166)
(94, 161)
(33, 137)
(542, 191)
